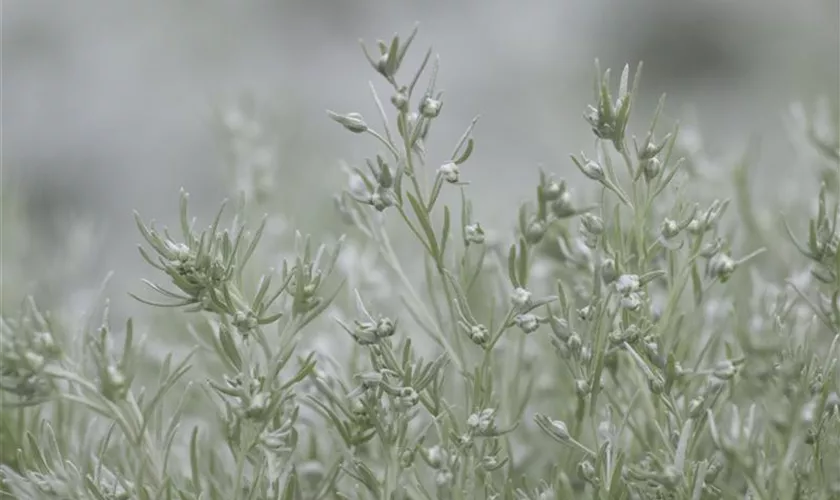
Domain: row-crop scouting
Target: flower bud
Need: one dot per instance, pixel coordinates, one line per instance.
(429, 107)
(382, 65)
(483, 422)
(711, 248)
(592, 224)
(114, 383)
(535, 231)
(586, 471)
(528, 323)
(586, 313)
(552, 190)
(489, 463)
(479, 334)
(832, 403)
(651, 149)
(180, 250)
(380, 200)
(385, 327)
(631, 302)
(562, 207)
(257, 405)
(408, 397)
(651, 168)
(627, 284)
(521, 298)
(696, 227)
(721, 266)
(474, 233)
(436, 457)
(669, 229)
(609, 271)
(34, 361)
(450, 172)
(560, 430)
(575, 343)
(407, 458)
(245, 322)
(351, 121)
(400, 100)
(594, 171)
(443, 477)
(560, 327)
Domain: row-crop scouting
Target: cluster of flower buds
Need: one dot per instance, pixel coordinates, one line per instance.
(27, 347)
(649, 164)
(608, 118)
(720, 264)
(442, 462)
(523, 306)
(205, 264)
(554, 197)
(591, 228)
(376, 189)
(369, 330)
(670, 228)
(823, 241)
(249, 394)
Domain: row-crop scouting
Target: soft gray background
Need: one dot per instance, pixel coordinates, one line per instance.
(107, 104)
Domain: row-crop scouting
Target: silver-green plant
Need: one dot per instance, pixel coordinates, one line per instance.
(642, 340)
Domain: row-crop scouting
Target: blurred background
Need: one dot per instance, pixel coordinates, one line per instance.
(111, 106)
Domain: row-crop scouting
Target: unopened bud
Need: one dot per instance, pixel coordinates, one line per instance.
(535, 231)
(430, 108)
(586, 471)
(609, 271)
(436, 457)
(592, 224)
(528, 323)
(594, 171)
(575, 343)
(631, 302)
(474, 233)
(627, 284)
(450, 172)
(351, 121)
(521, 298)
(552, 191)
(651, 168)
(385, 327)
(560, 327)
(400, 100)
(560, 430)
(258, 405)
(582, 388)
(721, 266)
(669, 229)
(479, 334)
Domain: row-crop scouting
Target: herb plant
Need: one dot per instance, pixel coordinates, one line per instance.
(640, 340)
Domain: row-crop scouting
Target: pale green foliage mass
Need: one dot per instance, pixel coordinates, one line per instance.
(653, 336)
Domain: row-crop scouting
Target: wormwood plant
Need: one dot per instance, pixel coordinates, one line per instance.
(635, 342)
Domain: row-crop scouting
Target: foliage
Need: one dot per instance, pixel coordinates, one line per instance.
(669, 344)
